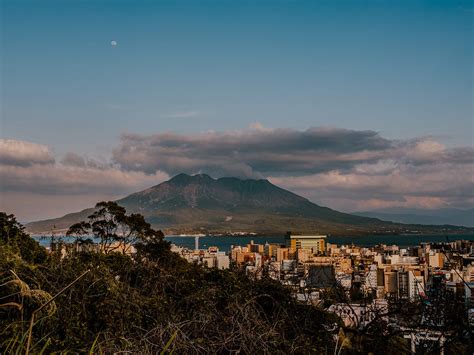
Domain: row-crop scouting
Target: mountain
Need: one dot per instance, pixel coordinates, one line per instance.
(441, 216)
(199, 203)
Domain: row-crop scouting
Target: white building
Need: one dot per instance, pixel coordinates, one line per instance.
(359, 315)
(416, 285)
(371, 278)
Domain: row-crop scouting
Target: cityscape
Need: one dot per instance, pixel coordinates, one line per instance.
(372, 279)
(363, 286)
(237, 177)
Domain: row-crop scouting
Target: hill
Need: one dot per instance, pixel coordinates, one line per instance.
(441, 216)
(199, 203)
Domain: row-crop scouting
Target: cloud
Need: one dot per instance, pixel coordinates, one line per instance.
(344, 169)
(442, 183)
(34, 186)
(76, 160)
(22, 153)
(73, 159)
(32, 168)
(347, 169)
(28, 206)
(252, 152)
(58, 179)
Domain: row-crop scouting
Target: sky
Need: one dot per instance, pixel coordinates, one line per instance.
(356, 105)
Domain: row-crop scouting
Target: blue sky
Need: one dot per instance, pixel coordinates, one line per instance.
(400, 68)
(403, 68)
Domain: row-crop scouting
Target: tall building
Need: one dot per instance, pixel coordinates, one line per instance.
(403, 284)
(391, 282)
(284, 254)
(435, 259)
(371, 278)
(416, 284)
(314, 242)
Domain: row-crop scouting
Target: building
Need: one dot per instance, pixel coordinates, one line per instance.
(222, 261)
(359, 315)
(435, 260)
(416, 283)
(284, 254)
(316, 243)
(211, 258)
(391, 282)
(321, 276)
(371, 278)
(403, 284)
(255, 248)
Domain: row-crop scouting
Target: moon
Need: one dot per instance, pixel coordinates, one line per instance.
(113, 43)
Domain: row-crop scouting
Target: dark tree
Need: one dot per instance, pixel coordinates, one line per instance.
(14, 238)
(114, 228)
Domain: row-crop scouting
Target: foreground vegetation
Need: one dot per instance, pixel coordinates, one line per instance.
(150, 302)
(97, 298)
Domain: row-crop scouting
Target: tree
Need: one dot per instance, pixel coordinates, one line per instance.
(114, 228)
(15, 241)
(11, 230)
(150, 302)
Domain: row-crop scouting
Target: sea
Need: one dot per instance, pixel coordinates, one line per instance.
(225, 243)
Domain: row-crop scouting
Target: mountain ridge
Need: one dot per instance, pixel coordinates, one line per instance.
(442, 216)
(200, 203)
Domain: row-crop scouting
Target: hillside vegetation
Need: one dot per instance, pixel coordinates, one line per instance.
(146, 303)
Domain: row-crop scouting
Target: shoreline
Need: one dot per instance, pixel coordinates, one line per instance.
(279, 234)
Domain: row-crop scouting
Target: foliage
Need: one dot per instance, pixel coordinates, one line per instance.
(154, 301)
(150, 302)
(16, 246)
(110, 224)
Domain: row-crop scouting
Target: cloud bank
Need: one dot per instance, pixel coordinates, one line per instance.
(250, 153)
(30, 167)
(21, 153)
(31, 174)
(344, 169)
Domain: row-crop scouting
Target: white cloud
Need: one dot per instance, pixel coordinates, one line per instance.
(344, 169)
(60, 179)
(29, 169)
(325, 164)
(22, 153)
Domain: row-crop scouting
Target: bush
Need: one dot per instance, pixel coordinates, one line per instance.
(152, 301)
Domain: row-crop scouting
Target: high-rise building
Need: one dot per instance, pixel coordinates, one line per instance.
(403, 284)
(314, 242)
(416, 284)
(371, 278)
(391, 282)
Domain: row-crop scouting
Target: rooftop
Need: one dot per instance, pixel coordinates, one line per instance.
(307, 236)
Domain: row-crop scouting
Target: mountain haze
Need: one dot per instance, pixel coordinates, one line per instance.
(199, 203)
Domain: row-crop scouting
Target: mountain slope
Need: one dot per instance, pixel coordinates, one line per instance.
(58, 225)
(437, 217)
(200, 203)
